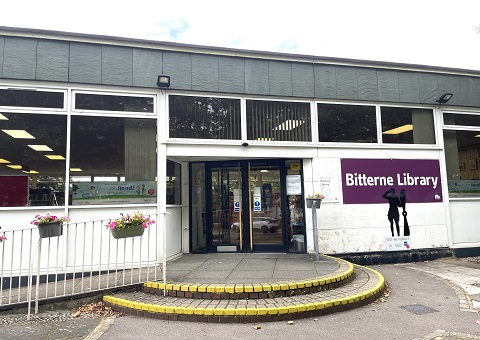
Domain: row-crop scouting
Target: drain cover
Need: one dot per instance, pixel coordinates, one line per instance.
(418, 309)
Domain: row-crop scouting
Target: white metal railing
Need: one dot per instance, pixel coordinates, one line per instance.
(86, 258)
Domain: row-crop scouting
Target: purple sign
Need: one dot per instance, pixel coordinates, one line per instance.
(368, 180)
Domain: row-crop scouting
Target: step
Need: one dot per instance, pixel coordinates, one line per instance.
(235, 291)
(366, 287)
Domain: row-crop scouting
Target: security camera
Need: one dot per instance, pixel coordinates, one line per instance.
(245, 144)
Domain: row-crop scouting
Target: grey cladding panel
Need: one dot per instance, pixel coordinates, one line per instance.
(388, 90)
(178, 66)
(476, 91)
(450, 84)
(147, 66)
(117, 65)
(204, 73)
(367, 84)
(52, 60)
(231, 75)
(280, 78)
(408, 85)
(256, 76)
(428, 88)
(466, 91)
(346, 82)
(2, 45)
(303, 81)
(20, 58)
(85, 63)
(325, 81)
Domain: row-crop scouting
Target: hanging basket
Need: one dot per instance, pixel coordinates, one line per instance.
(136, 230)
(310, 202)
(52, 229)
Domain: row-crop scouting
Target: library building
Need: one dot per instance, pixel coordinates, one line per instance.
(229, 148)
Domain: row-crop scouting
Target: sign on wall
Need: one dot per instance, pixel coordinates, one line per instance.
(114, 192)
(367, 180)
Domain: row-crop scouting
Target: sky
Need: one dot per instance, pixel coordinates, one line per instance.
(425, 32)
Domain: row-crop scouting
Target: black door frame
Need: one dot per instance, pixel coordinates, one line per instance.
(244, 169)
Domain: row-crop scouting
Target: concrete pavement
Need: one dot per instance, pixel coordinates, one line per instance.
(426, 300)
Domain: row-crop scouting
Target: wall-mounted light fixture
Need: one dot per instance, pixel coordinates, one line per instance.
(163, 81)
(444, 98)
(245, 144)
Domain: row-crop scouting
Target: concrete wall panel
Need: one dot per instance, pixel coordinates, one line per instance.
(179, 67)
(303, 80)
(280, 78)
(20, 58)
(325, 81)
(256, 76)
(428, 88)
(408, 85)
(117, 65)
(347, 87)
(52, 60)
(85, 64)
(2, 48)
(388, 89)
(450, 84)
(367, 83)
(204, 73)
(231, 75)
(147, 66)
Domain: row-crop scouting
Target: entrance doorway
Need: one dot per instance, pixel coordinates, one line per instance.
(247, 207)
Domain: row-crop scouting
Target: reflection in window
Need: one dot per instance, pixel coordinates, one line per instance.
(98, 102)
(174, 181)
(463, 162)
(119, 156)
(32, 159)
(347, 123)
(31, 98)
(278, 121)
(204, 118)
(407, 125)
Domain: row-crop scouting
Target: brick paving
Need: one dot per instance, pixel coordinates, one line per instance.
(335, 285)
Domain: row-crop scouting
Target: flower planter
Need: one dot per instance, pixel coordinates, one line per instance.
(50, 229)
(310, 202)
(136, 230)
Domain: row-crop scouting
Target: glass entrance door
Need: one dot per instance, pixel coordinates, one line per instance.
(246, 206)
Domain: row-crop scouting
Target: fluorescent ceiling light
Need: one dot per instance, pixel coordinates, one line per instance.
(40, 147)
(4, 161)
(75, 170)
(16, 167)
(477, 136)
(30, 172)
(289, 125)
(2, 117)
(399, 130)
(263, 170)
(19, 134)
(55, 157)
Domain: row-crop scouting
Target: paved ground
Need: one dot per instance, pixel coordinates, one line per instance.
(427, 300)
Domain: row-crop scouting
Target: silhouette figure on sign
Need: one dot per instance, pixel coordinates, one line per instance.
(393, 215)
(403, 204)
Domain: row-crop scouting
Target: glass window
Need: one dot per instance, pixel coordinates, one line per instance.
(119, 156)
(84, 101)
(461, 119)
(174, 180)
(204, 118)
(407, 125)
(32, 159)
(278, 121)
(31, 98)
(463, 162)
(347, 123)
